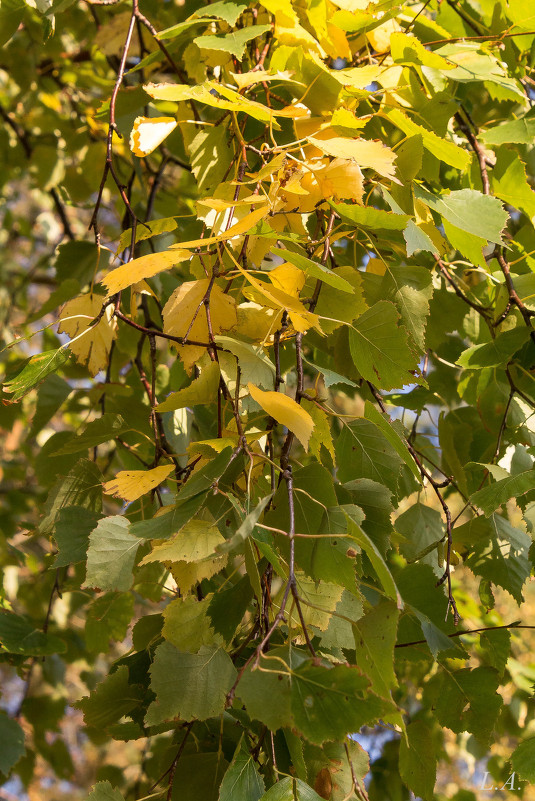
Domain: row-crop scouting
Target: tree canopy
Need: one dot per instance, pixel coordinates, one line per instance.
(267, 465)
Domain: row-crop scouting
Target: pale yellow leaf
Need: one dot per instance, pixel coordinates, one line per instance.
(144, 267)
(365, 152)
(201, 391)
(149, 132)
(245, 79)
(132, 484)
(285, 411)
(218, 204)
(185, 312)
(195, 541)
(91, 346)
(379, 37)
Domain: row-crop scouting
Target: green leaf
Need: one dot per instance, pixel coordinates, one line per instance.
(368, 217)
(363, 451)
(12, 738)
(496, 352)
(417, 760)
(18, 636)
(469, 210)
(289, 789)
(103, 791)
(111, 555)
(234, 42)
(502, 555)
(11, 15)
(379, 565)
(510, 184)
(499, 492)
(110, 700)
(228, 606)
(390, 429)
(166, 525)
(523, 760)
(375, 637)
(466, 700)
(375, 500)
(329, 704)
(422, 530)
(520, 131)
(81, 488)
(246, 528)
(210, 157)
(380, 348)
(35, 371)
(330, 377)
(223, 10)
(242, 780)
(315, 269)
(187, 625)
(74, 524)
(189, 686)
(198, 776)
(202, 390)
(442, 149)
(50, 396)
(108, 618)
(104, 429)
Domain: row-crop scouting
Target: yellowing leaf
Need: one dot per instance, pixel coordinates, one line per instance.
(201, 391)
(144, 267)
(187, 574)
(365, 152)
(185, 312)
(285, 411)
(149, 132)
(132, 484)
(321, 435)
(90, 345)
(196, 541)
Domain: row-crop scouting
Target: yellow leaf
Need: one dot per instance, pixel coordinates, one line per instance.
(132, 484)
(195, 541)
(342, 179)
(301, 319)
(241, 227)
(149, 132)
(91, 346)
(285, 411)
(379, 37)
(365, 152)
(185, 312)
(144, 267)
(288, 278)
(201, 391)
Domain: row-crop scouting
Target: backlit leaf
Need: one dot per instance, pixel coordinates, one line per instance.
(285, 411)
